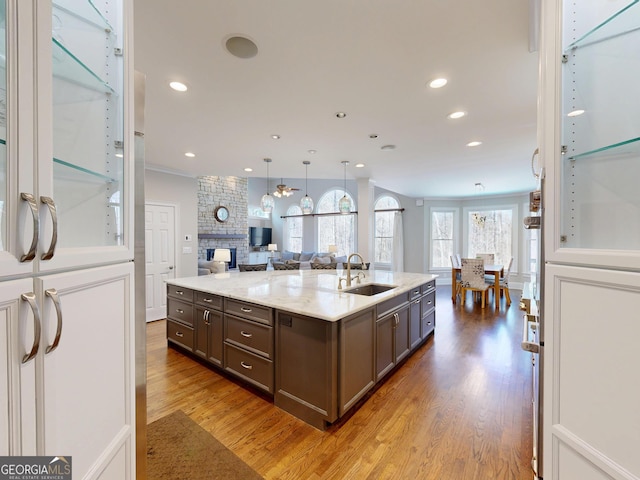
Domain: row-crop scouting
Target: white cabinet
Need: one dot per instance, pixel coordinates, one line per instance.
(589, 145)
(66, 228)
(259, 257)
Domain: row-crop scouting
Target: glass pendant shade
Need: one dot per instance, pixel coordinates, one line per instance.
(306, 202)
(344, 205)
(267, 203)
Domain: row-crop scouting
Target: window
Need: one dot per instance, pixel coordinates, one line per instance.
(336, 229)
(442, 231)
(293, 230)
(383, 236)
(491, 231)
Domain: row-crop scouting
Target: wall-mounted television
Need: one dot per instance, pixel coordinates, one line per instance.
(259, 236)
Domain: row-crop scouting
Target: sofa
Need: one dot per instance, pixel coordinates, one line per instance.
(207, 267)
(305, 259)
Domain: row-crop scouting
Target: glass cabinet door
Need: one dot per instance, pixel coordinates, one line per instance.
(87, 116)
(600, 126)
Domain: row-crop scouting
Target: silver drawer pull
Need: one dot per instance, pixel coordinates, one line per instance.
(33, 207)
(247, 366)
(417, 302)
(179, 292)
(53, 294)
(180, 311)
(179, 334)
(54, 236)
(246, 310)
(31, 299)
(208, 300)
(246, 334)
(429, 302)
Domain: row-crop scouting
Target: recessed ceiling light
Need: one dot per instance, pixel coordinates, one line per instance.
(474, 144)
(373, 135)
(178, 86)
(456, 115)
(341, 114)
(438, 83)
(311, 151)
(275, 137)
(248, 169)
(388, 147)
(190, 154)
(359, 165)
(575, 113)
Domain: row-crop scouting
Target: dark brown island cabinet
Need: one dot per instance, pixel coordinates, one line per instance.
(313, 368)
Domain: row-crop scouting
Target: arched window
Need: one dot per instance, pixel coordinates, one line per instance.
(339, 229)
(293, 229)
(383, 237)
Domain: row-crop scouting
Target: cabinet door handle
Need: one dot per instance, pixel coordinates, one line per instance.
(53, 294)
(180, 311)
(246, 334)
(31, 299)
(246, 365)
(31, 201)
(397, 318)
(245, 309)
(207, 300)
(48, 201)
(205, 317)
(179, 334)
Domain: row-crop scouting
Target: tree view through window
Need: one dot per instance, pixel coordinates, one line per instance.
(335, 229)
(383, 241)
(490, 231)
(293, 229)
(441, 238)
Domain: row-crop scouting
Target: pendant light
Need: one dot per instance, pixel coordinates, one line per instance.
(267, 201)
(306, 202)
(344, 205)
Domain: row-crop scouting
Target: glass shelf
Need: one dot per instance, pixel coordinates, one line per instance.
(85, 11)
(68, 67)
(84, 172)
(620, 23)
(627, 147)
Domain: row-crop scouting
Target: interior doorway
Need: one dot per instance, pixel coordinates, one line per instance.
(160, 256)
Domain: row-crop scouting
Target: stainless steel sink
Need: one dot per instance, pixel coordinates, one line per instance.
(370, 289)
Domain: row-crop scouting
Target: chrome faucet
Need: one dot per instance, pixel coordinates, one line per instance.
(349, 268)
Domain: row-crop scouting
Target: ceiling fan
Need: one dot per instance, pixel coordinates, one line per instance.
(283, 191)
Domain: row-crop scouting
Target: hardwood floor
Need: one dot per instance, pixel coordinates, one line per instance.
(459, 408)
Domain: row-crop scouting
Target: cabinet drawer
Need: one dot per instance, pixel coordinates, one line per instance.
(208, 300)
(428, 324)
(415, 292)
(429, 287)
(249, 310)
(180, 334)
(428, 303)
(254, 369)
(256, 337)
(179, 310)
(180, 293)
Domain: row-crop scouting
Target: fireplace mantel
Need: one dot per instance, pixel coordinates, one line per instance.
(222, 235)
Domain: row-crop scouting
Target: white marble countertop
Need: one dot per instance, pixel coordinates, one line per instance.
(308, 292)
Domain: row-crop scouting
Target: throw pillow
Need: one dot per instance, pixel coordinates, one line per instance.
(306, 256)
(323, 260)
(287, 255)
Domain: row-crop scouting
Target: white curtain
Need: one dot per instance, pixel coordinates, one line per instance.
(397, 262)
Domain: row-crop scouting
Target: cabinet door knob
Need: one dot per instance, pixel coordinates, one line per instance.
(48, 201)
(53, 294)
(31, 201)
(31, 299)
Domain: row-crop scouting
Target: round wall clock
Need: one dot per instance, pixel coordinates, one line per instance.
(221, 214)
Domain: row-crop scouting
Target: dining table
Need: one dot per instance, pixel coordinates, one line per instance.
(496, 270)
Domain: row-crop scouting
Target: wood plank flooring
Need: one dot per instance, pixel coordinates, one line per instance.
(459, 408)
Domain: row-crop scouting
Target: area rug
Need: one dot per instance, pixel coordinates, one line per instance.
(178, 448)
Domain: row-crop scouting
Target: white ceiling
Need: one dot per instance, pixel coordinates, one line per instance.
(369, 58)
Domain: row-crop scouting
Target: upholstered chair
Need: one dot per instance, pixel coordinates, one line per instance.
(472, 279)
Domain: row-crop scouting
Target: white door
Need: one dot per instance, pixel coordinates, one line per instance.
(86, 364)
(160, 257)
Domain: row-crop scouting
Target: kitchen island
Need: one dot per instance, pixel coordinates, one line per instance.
(316, 349)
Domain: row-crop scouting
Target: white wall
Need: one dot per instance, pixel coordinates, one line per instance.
(183, 193)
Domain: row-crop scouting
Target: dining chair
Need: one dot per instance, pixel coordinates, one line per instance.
(472, 278)
(286, 266)
(504, 283)
(456, 264)
(489, 258)
(253, 267)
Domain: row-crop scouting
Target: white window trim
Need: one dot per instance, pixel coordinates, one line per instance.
(382, 265)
